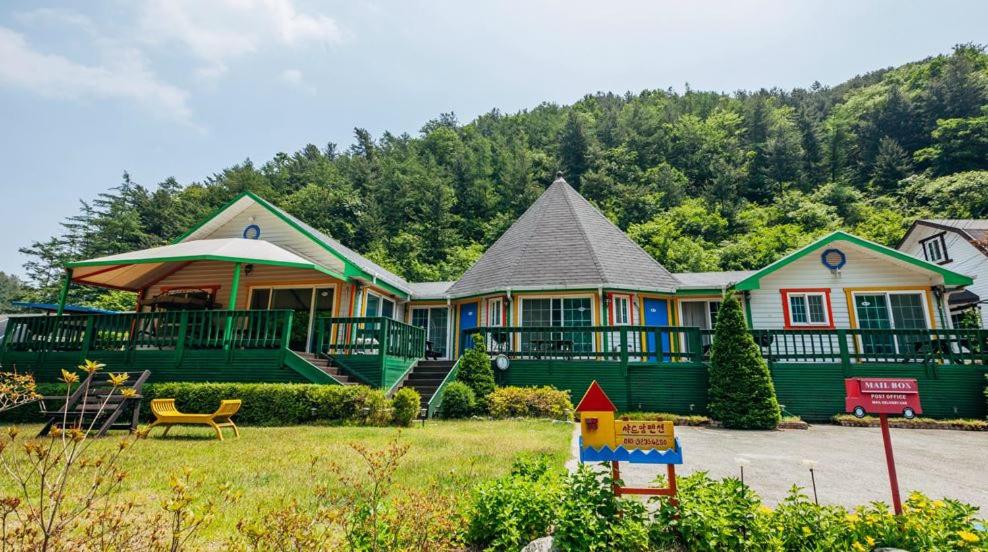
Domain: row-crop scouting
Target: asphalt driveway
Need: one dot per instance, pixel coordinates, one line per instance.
(850, 462)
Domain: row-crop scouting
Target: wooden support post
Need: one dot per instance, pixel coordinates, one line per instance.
(845, 354)
(63, 295)
(183, 333)
(231, 306)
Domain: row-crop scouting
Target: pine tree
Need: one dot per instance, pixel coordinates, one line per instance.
(892, 164)
(741, 394)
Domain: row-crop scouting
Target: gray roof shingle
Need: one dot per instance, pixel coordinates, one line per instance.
(429, 290)
(562, 241)
(707, 280)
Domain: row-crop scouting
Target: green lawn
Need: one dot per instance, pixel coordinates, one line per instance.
(270, 465)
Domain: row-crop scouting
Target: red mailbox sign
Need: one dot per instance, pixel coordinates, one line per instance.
(882, 396)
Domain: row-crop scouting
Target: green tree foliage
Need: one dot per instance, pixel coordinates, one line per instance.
(741, 392)
(476, 371)
(11, 289)
(702, 180)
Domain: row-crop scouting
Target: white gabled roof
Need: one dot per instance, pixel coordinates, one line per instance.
(135, 269)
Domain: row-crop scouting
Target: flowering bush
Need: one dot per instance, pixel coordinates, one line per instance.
(16, 389)
(724, 515)
(530, 402)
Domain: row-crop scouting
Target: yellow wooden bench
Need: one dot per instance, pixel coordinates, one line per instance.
(167, 415)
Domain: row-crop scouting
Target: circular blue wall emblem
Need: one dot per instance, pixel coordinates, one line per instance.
(834, 259)
(252, 232)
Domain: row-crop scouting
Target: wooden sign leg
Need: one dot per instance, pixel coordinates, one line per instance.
(671, 470)
(615, 478)
(890, 460)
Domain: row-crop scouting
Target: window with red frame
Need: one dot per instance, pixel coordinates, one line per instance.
(807, 308)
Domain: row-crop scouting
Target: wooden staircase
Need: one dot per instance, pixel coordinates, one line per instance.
(326, 365)
(426, 377)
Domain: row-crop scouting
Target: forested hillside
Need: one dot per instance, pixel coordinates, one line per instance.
(702, 180)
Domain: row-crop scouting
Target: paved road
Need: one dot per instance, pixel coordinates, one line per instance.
(850, 466)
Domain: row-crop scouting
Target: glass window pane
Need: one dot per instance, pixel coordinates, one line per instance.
(695, 315)
(714, 308)
(437, 329)
(578, 312)
(295, 299)
(324, 301)
(387, 308)
(907, 314)
(420, 317)
(907, 311)
(535, 312)
(373, 305)
(259, 299)
(872, 311)
(797, 309)
(815, 305)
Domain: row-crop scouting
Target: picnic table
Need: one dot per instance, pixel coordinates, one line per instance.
(545, 346)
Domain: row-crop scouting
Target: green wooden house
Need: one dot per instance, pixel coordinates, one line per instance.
(254, 294)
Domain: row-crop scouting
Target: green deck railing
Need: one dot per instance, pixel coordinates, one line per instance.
(250, 329)
(859, 346)
(436, 400)
(375, 335)
(377, 351)
(686, 344)
(618, 343)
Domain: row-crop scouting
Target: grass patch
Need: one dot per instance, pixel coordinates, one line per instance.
(271, 465)
(963, 424)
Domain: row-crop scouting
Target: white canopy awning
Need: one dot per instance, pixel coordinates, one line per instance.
(136, 269)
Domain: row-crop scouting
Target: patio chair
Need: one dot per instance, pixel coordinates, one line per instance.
(167, 415)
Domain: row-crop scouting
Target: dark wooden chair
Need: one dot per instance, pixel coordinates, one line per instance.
(430, 353)
(98, 404)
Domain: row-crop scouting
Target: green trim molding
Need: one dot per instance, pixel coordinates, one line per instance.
(950, 277)
(350, 271)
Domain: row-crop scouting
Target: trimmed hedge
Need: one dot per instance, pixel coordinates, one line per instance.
(269, 404)
(530, 402)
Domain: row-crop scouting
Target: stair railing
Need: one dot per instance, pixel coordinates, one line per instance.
(436, 400)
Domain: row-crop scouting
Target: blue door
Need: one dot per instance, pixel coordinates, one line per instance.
(468, 321)
(657, 314)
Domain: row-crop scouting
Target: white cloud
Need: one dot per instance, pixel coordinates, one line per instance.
(124, 76)
(294, 78)
(222, 30)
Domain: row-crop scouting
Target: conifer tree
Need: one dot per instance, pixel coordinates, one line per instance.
(741, 393)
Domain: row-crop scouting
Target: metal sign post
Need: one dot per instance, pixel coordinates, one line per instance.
(884, 396)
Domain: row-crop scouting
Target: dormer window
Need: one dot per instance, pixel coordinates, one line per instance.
(935, 249)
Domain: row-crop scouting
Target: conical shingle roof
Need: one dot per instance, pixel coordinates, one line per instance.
(562, 241)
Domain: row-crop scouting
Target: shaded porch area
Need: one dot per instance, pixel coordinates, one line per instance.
(215, 310)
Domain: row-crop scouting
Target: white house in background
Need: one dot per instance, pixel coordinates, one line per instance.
(843, 281)
(960, 245)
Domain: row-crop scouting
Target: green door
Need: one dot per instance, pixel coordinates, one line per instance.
(873, 314)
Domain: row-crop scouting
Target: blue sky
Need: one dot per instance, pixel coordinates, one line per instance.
(185, 88)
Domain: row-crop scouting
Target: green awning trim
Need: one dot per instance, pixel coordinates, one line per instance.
(351, 270)
(950, 277)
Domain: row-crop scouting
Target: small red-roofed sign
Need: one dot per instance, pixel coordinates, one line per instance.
(595, 400)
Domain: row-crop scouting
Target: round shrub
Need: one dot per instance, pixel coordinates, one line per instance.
(405, 406)
(459, 401)
(372, 406)
(530, 402)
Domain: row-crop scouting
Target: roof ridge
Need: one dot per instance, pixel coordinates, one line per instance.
(623, 233)
(537, 216)
(583, 231)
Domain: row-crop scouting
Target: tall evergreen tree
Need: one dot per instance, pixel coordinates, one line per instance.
(741, 395)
